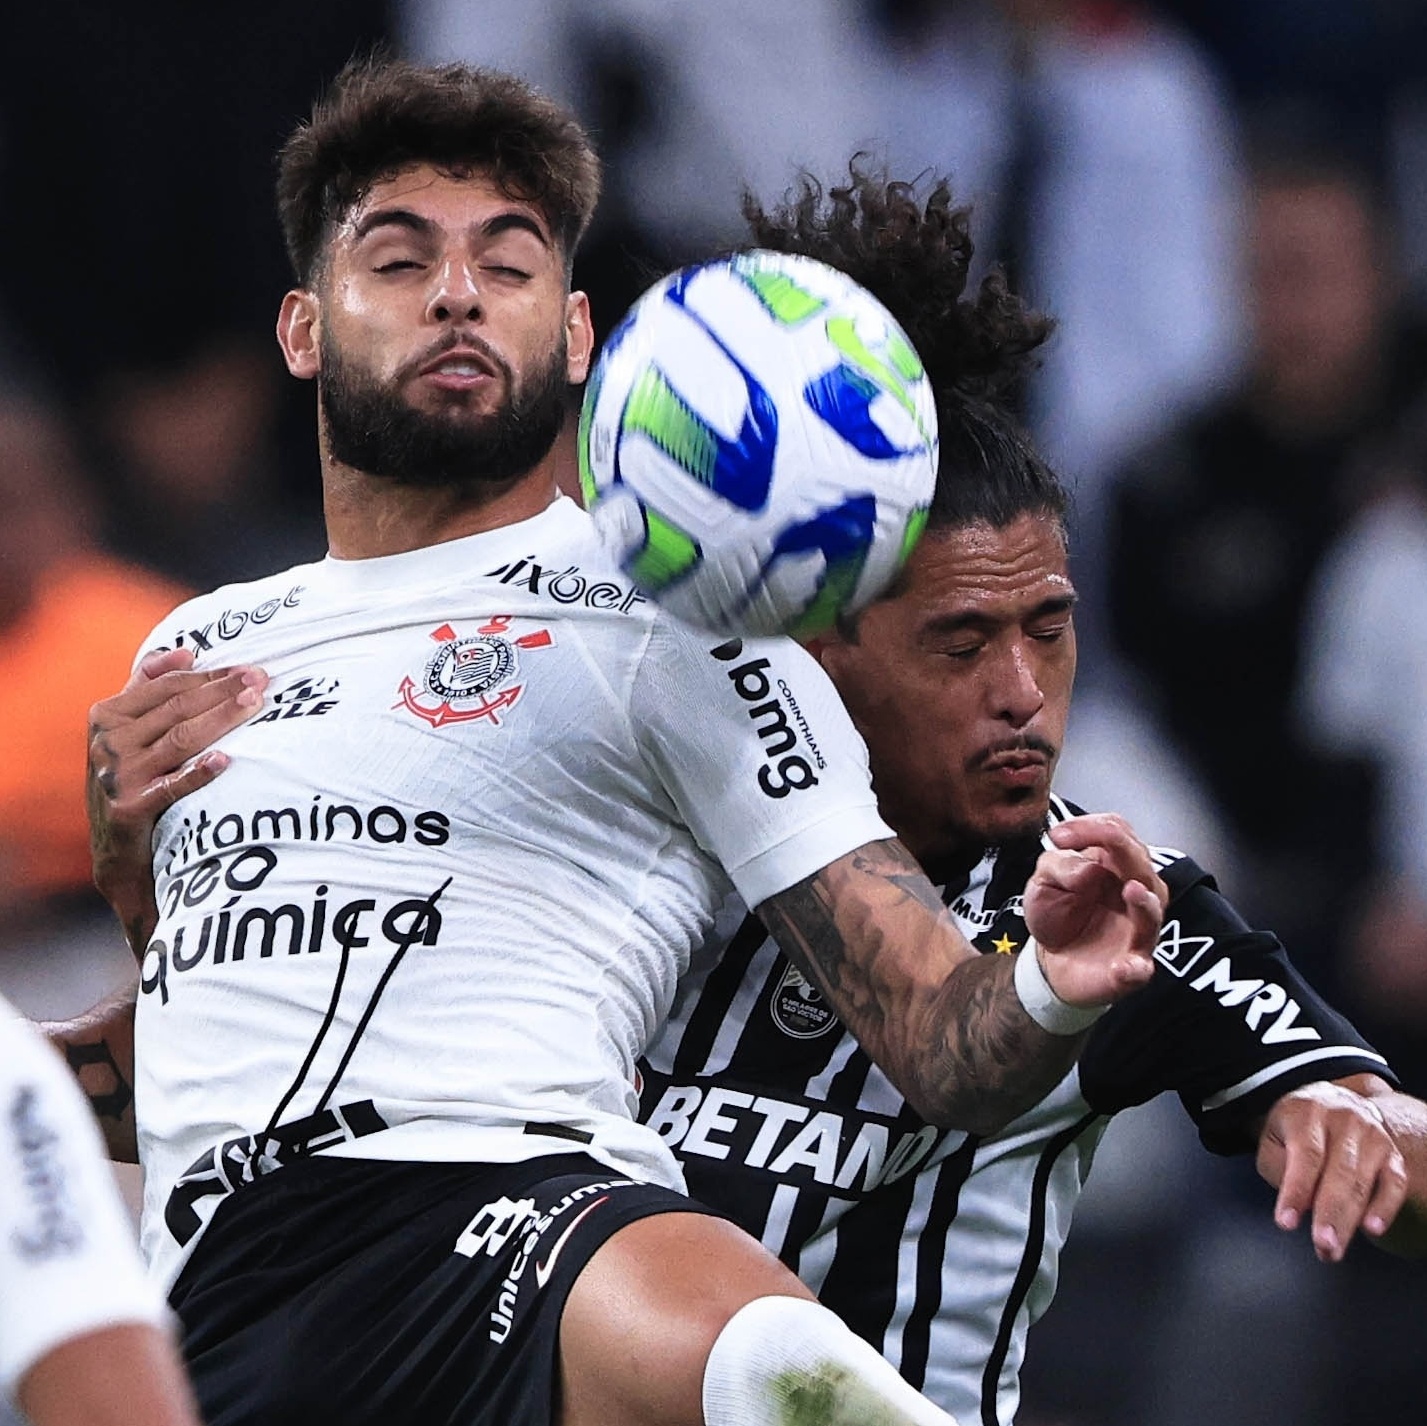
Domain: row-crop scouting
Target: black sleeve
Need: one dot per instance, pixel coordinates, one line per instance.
(1227, 1023)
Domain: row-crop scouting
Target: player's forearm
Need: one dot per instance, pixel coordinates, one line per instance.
(99, 1048)
(126, 1375)
(944, 1022)
(126, 881)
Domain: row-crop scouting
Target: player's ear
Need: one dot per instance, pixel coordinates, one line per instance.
(299, 332)
(820, 646)
(579, 337)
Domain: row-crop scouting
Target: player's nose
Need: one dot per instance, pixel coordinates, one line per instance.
(455, 293)
(1015, 689)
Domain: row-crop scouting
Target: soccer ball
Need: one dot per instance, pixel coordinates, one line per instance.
(758, 445)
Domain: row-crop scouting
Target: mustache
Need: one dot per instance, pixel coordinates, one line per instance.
(450, 342)
(1020, 743)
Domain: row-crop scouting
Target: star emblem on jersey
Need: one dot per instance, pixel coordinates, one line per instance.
(471, 677)
(1003, 944)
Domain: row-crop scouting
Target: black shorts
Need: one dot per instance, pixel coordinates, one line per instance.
(368, 1293)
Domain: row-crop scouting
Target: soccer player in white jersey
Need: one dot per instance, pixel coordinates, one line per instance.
(940, 1248)
(405, 930)
(85, 1338)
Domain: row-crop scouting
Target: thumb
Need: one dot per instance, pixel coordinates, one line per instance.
(161, 661)
(1146, 912)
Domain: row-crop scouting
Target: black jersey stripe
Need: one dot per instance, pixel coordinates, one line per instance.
(717, 998)
(849, 1084)
(745, 1198)
(931, 1261)
(317, 1039)
(1014, 864)
(1030, 1264)
(417, 932)
(869, 1233)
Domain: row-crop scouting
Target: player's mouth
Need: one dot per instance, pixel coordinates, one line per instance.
(1025, 764)
(460, 368)
(1018, 769)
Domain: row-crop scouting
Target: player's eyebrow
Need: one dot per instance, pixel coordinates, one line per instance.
(506, 222)
(493, 227)
(394, 218)
(956, 620)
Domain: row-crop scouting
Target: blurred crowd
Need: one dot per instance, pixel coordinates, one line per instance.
(1224, 202)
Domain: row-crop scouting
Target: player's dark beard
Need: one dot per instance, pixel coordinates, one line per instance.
(373, 429)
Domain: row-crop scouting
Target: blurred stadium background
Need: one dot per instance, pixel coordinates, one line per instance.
(1224, 201)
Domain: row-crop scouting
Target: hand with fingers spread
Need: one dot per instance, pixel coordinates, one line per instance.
(1330, 1153)
(147, 750)
(1094, 906)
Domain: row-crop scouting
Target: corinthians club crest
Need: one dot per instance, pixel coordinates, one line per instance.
(472, 677)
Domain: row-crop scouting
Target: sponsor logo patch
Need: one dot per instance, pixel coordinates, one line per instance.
(304, 697)
(49, 1227)
(785, 769)
(798, 1007)
(232, 622)
(570, 585)
(850, 1153)
(1178, 953)
(520, 1222)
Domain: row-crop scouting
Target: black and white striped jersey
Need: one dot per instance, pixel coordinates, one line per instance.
(941, 1248)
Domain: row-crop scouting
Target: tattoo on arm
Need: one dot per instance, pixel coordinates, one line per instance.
(99, 1049)
(100, 1077)
(942, 1021)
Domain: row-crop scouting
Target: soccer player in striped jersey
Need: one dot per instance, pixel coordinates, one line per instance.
(405, 931)
(940, 1248)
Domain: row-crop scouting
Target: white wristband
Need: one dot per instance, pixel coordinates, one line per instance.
(1042, 1004)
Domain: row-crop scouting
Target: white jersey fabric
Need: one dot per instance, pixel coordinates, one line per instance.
(68, 1264)
(440, 901)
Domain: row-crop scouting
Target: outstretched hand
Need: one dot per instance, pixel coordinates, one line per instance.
(140, 744)
(1094, 905)
(1330, 1153)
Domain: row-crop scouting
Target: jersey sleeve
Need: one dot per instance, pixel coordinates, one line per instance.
(1227, 1023)
(754, 747)
(68, 1262)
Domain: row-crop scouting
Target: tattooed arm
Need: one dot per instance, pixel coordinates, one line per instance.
(140, 744)
(99, 1048)
(945, 1023)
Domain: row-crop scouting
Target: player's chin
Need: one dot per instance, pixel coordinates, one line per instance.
(480, 400)
(468, 408)
(1011, 814)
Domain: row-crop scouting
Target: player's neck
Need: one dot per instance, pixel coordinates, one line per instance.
(949, 862)
(368, 517)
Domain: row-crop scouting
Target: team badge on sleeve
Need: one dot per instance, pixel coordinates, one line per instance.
(799, 1009)
(473, 676)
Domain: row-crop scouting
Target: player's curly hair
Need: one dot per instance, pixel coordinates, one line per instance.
(381, 114)
(911, 247)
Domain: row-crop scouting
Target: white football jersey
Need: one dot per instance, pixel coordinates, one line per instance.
(68, 1265)
(438, 904)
